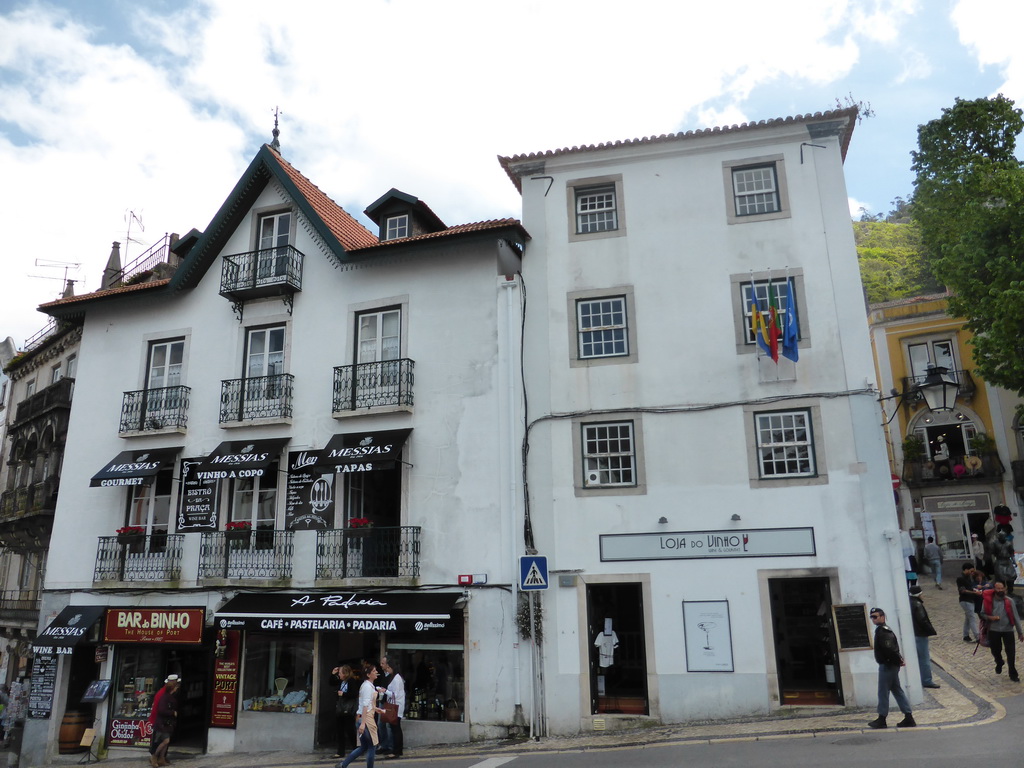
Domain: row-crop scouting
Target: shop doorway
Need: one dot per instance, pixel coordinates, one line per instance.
(618, 649)
(806, 655)
(952, 532)
(336, 649)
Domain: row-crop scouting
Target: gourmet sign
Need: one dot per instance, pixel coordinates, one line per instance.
(154, 625)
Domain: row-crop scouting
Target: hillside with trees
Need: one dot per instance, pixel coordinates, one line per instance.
(891, 256)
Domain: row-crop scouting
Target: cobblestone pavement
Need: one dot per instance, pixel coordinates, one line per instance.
(969, 695)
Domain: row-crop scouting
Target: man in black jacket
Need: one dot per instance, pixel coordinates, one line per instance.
(923, 630)
(887, 654)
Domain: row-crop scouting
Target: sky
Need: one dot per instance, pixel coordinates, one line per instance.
(149, 111)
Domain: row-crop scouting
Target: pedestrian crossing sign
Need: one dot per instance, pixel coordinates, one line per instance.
(533, 572)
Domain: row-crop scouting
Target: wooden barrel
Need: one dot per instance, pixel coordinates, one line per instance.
(72, 728)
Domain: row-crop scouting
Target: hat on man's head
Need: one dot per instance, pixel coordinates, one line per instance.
(974, 535)
(915, 590)
(172, 679)
(876, 610)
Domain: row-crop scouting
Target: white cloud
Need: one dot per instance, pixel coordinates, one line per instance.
(991, 29)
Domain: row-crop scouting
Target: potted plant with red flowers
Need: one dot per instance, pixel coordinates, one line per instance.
(130, 533)
(359, 527)
(237, 532)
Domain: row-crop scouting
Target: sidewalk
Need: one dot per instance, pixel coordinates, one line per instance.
(969, 695)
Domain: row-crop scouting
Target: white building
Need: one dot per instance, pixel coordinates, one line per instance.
(240, 411)
(706, 505)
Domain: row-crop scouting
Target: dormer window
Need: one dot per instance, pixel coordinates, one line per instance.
(396, 227)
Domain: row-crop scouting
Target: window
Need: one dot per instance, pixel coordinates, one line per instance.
(396, 226)
(277, 666)
(274, 236)
(601, 327)
(768, 293)
(265, 388)
(785, 446)
(30, 388)
(609, 459)
(938, 353)
(781, 285)
(254, 499)
(379, 336)
(55, 374)
(165, 361)
(755, 189)
(71, 366)
(149, 506)
(595, 208)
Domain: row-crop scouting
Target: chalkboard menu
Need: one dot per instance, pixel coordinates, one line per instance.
(197, 507)
(851, 622)
(310, 500)
(44, 682)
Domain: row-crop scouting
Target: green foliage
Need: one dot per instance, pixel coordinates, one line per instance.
(969, 203)
(892, 265)
(913, 448)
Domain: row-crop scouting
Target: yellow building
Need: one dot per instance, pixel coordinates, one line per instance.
(950, 468)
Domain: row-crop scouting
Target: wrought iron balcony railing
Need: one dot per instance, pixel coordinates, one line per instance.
(266, 272)
(258, 397)
(149, 410)
(380, 552)
(373, 385)
(152, 557)
(20, 604)
(57, 395)
(29, 499)
(961, 377)
(248, 554)
(919, 472)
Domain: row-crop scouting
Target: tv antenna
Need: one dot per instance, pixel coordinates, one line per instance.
(67, 266)
(131, 217)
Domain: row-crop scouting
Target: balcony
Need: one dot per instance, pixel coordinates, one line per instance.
(385, 384)
(153, 557)
(914, 397)
(258, 274)
(20, 605)
(378, 552)
(256, 398)
(57, 395)
(259, 554)
(164, 409)
(919, 473)
(26, 516)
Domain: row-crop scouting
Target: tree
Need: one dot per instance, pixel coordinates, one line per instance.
(969, 203)
(891, 262)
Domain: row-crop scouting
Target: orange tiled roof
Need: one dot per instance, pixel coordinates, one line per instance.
(850, 113)
(350, 233)
(106, 292)
(459, 229)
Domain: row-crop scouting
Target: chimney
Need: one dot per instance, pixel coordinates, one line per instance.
(69, 290)
(112, 274)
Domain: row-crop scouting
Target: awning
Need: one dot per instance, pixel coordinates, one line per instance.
(71, 625)
(235, 455)
(362, 451)
(353, 611)
(134, 467)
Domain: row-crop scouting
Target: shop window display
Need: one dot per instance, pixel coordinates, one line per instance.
(139, 678)
(278, 673)
(435, 680)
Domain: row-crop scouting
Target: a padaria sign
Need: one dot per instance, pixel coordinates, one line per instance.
(349, 611)
(689, 545)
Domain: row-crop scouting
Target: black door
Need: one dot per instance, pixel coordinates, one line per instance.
(806, 656)
(618, 650)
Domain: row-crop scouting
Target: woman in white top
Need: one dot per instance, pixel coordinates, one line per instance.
(368, 709)
(396, 695)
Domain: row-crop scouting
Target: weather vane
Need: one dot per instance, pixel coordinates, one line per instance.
(275, 143)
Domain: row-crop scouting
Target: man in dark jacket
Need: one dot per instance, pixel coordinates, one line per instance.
(923, 630)
(887, 654)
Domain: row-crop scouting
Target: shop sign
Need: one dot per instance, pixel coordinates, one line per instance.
(309, 504)
(696, 545)
(957, 503)
(197, 508)
(128, 732)
(44, 682)
(223, 712)
(154, 625)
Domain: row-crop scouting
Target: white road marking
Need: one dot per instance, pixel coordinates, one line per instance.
(494, 762)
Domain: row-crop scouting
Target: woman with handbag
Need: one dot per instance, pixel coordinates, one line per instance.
(368, 710)
(344, 679)
(394, 709)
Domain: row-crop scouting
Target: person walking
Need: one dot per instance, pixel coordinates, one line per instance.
(163, 717)
(933, 556)
(368, 710)
(969, 595)
(395, 695)
(1001, 613)
(923, 630)
(887, 654)
(345, 707)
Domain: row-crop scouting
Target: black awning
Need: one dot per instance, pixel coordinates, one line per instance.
(134, 467)
(425, 612)
(71, 625)
(367, 450)
(233, 455)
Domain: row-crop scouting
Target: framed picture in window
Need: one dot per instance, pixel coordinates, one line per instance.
(708, 636)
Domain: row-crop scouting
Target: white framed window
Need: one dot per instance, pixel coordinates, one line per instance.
(396, 226)
(55, 374)
(938, 352)
(275, 231)
(149, 506)
(253, 500)
(165, 364)
(71, 366)
(745, 286)
(609, 455)
(379, 336)
(755, 189)
(30, 388)
(264, 352)
(601, 327)
(596, 209)
(769, 293)
(784, 443)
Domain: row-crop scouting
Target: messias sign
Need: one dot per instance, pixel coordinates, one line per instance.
(695, 545)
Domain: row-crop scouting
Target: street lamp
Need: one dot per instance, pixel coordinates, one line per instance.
(939, 389)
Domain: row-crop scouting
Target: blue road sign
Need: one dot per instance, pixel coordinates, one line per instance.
(533, 572)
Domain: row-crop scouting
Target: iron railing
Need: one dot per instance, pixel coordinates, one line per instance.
(918, 472)
(20, 603)
(158, 253)
(36, 497)
(57, 395)
(41, 335)
(913, 395)
(257, 397)
(368, 552)
(149, 557)
(147, 410)
(249, 554)
(249, 272)
(372, 385)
